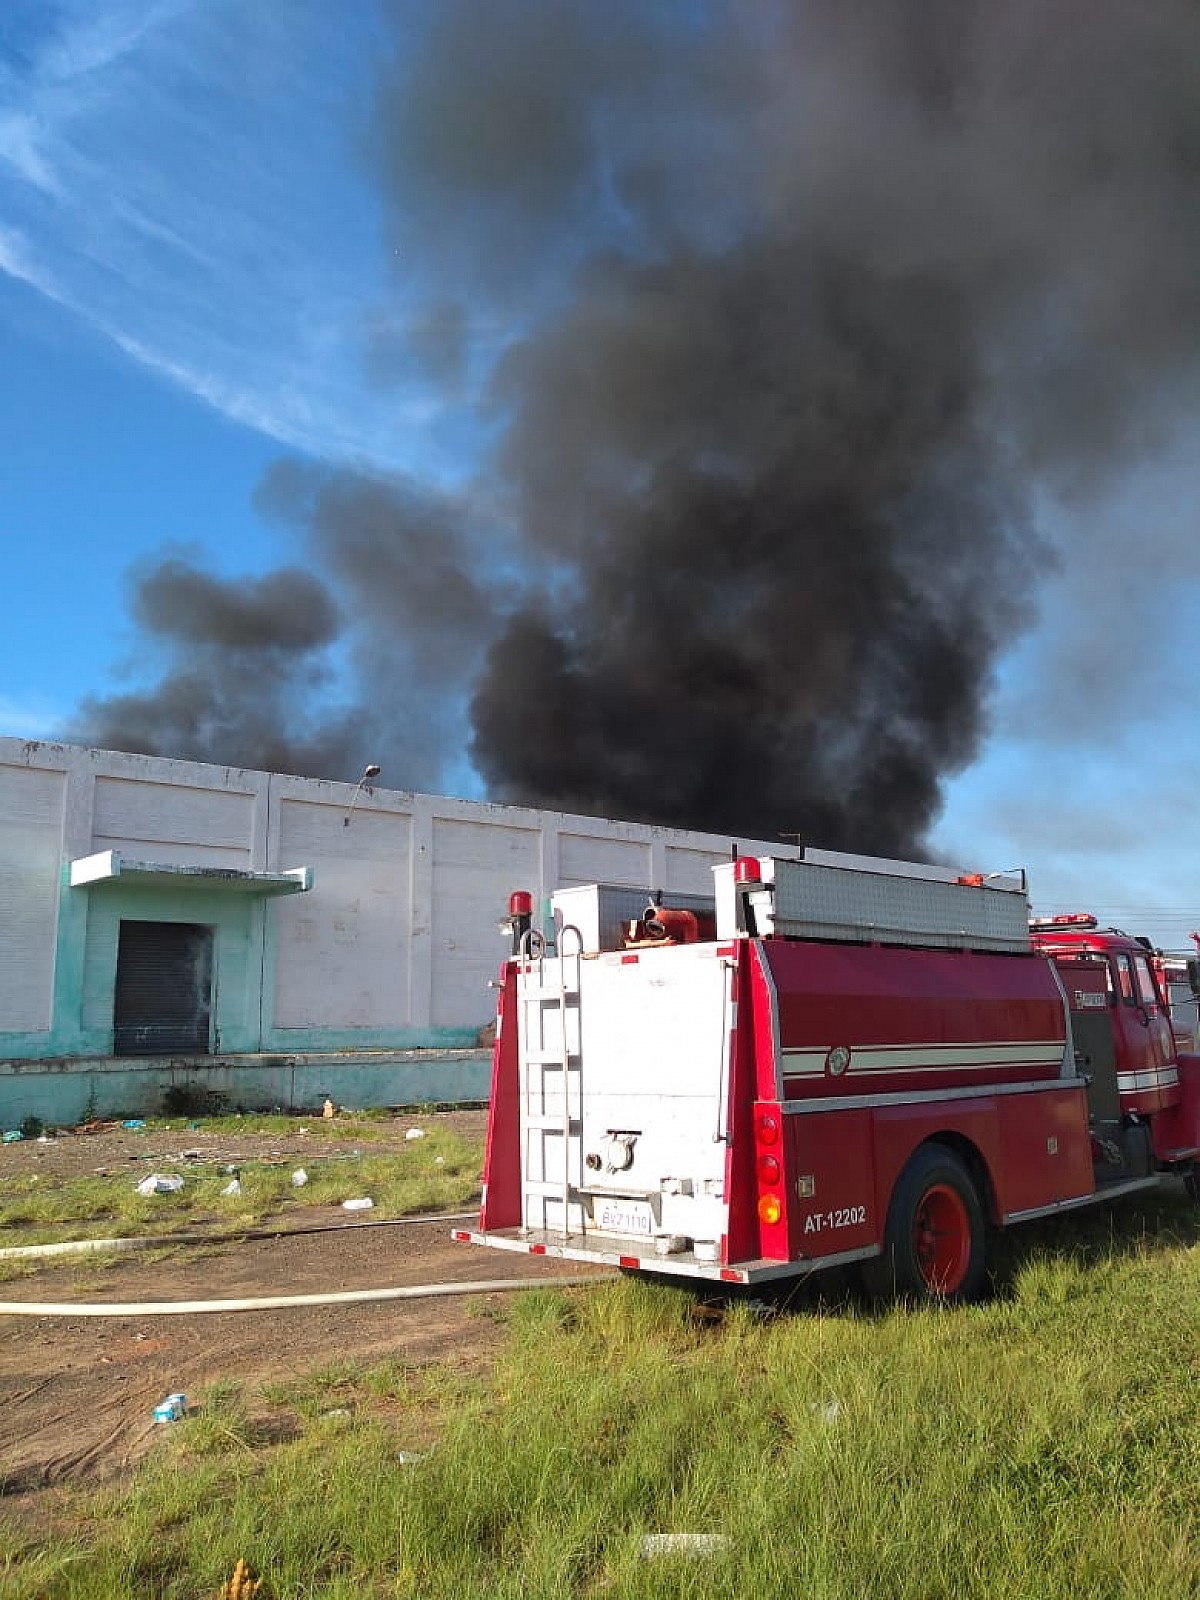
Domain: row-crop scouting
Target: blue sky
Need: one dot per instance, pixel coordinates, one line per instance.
(187, 251)
(194, 255)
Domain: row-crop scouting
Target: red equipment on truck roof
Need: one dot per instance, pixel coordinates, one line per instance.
(869, 1062)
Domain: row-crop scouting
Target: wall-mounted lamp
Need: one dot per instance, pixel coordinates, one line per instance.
(371, 770)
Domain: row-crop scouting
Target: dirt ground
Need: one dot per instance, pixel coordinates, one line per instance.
(77, 1394)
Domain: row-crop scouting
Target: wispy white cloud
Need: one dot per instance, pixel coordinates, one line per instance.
(93, 37)
(178, 175)
(16, 260)
(20, 149)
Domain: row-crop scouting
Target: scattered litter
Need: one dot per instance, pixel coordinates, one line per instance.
(328, 1110)
(303, 1130)
(234, 1186)
(134, 1123)
(13, 1135)
(160, 1183)
(43, 1138)
(415, 1133)
(685, 1544)
(299, 1178)
(357, 1205)
(171, 1409)
(439, 1161)
(338, 1411)
(409, 1458)
(826, 1410)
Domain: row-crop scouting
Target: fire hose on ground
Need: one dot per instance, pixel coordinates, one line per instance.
(175, 1308)
(280, 1302)
(151, 1241)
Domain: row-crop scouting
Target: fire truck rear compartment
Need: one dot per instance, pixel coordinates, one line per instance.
(639, 1153)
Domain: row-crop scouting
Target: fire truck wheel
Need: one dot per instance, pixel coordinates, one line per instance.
(1191, 1184)
(933, 1244)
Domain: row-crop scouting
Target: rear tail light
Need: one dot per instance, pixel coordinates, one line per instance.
(769, 1170)
(770, 1177)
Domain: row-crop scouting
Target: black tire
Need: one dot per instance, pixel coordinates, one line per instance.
(933, 1244)
(1191, 1184)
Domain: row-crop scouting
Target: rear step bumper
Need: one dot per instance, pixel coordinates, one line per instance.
(616, 1253)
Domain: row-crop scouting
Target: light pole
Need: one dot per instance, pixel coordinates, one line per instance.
(371, 770)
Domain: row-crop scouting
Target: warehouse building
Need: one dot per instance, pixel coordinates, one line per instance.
(214, 936)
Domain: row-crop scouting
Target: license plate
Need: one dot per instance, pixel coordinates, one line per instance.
(624, 1216)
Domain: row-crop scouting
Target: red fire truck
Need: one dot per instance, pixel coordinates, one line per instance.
(834, 1060)
(1178, 978)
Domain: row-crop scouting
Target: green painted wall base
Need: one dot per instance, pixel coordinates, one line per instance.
(65, 1093)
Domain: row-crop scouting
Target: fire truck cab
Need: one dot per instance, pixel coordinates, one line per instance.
(1178, 978)
(1127, 1045)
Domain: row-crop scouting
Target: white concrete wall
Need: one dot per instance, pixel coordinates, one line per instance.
(32, 809)
(393, 947)
(343, 951)
(177, 818)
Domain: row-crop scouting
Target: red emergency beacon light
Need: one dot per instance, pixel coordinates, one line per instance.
(1068, 919)
(520, 917)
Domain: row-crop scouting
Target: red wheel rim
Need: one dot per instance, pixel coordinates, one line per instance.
(942, 1239)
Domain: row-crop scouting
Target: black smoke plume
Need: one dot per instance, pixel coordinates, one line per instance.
(244, 658)
(776, 321)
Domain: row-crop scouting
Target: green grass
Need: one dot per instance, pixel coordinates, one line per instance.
(1043, 1444)
(438, 1172)
(355, 1126)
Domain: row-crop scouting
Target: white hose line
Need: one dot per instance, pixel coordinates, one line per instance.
(284, 1302)
(162, 1241)
(72, 1247)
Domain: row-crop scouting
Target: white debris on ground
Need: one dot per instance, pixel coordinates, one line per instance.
(160, 1183)
(685, 1544)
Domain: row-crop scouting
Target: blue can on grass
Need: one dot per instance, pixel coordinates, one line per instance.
(171, 1409)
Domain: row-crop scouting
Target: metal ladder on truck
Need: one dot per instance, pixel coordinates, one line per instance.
(548, 1024)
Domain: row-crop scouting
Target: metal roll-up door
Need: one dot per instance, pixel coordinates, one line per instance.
(163, 1001)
